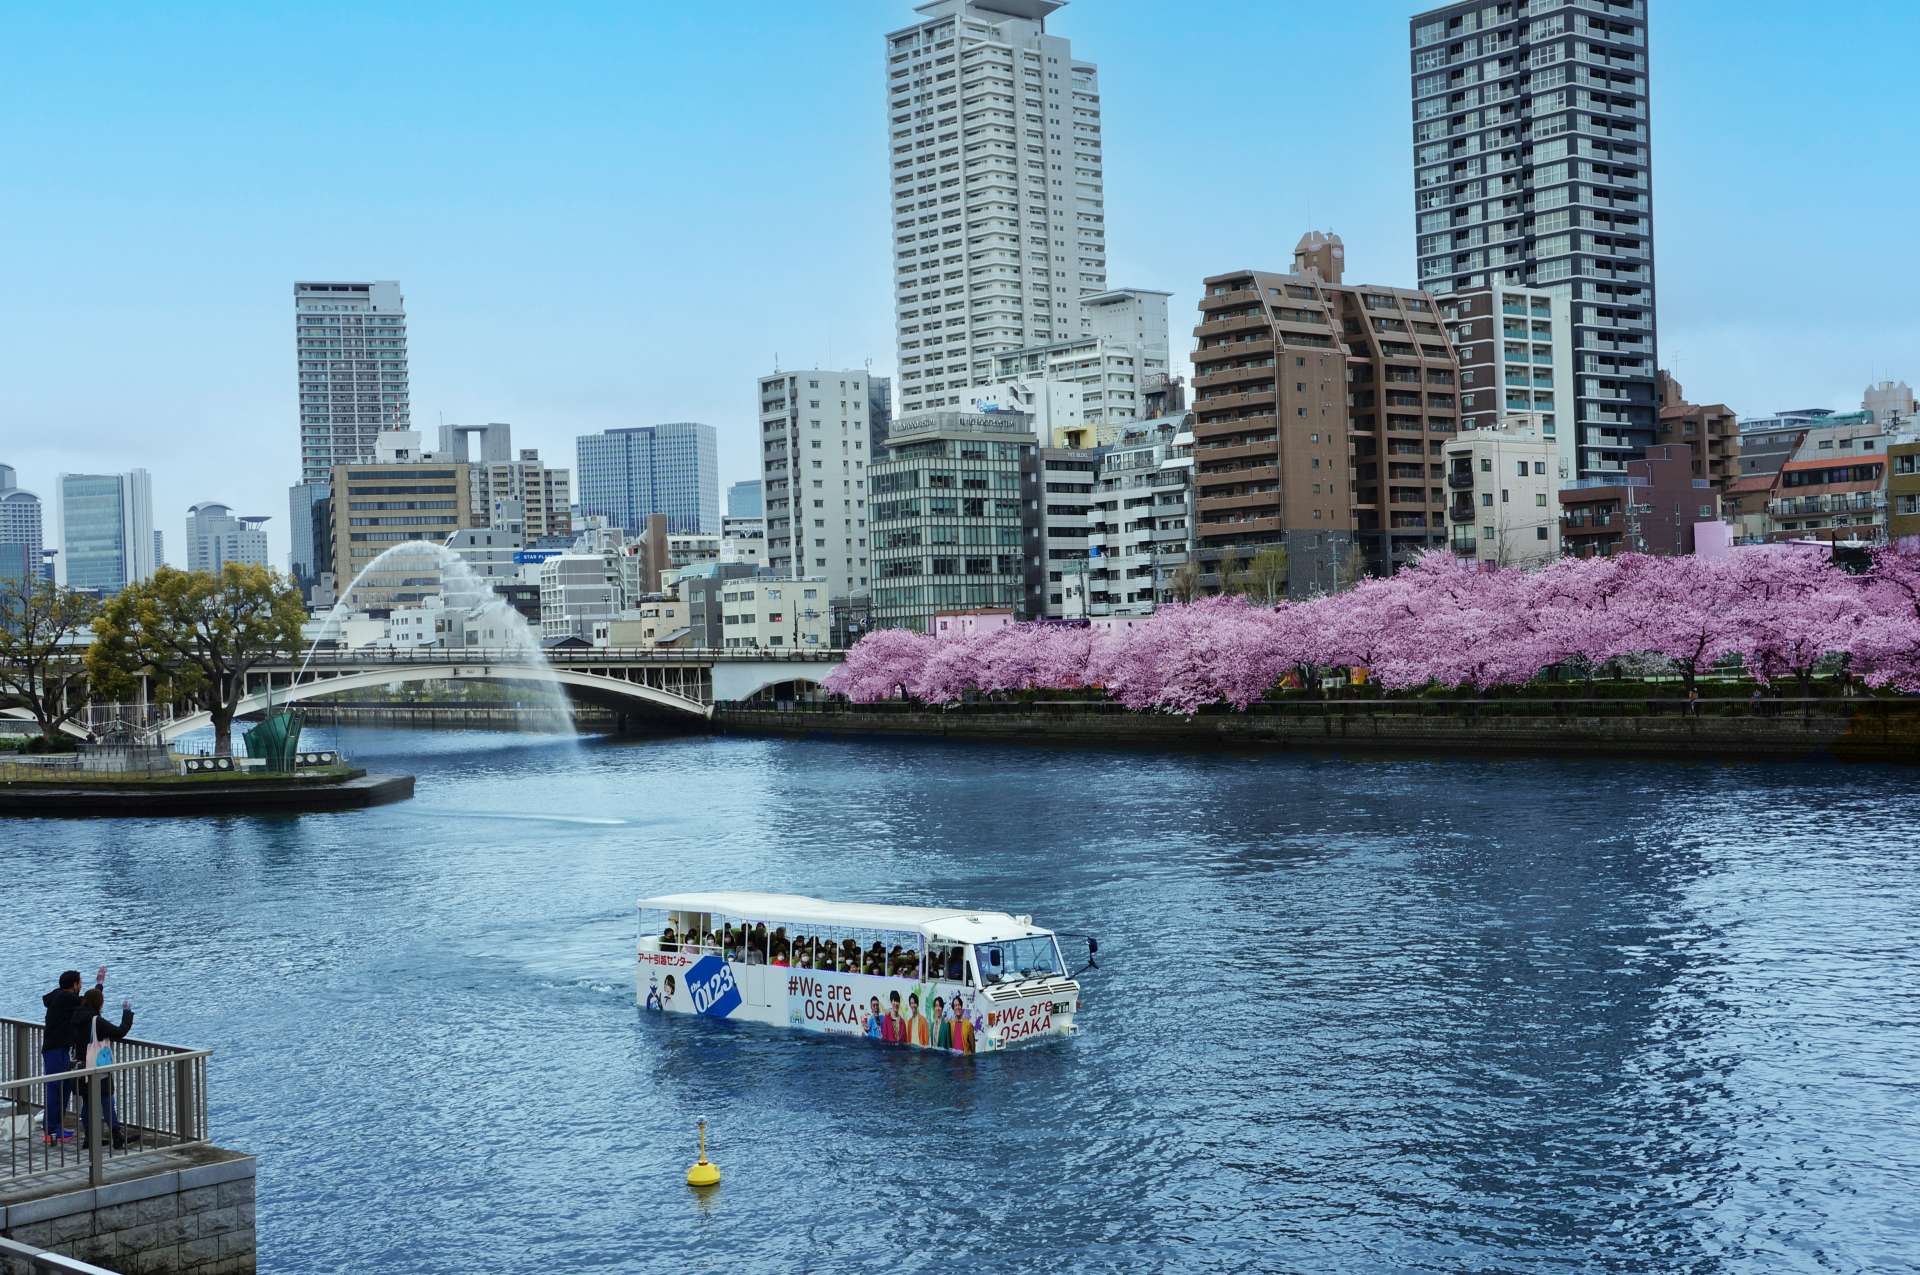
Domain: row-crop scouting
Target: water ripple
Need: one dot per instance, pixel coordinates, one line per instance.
(1352, 1014)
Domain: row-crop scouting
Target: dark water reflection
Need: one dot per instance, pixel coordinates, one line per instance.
(1352, 1014)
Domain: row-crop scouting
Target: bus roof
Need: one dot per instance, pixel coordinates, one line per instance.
(968, 925)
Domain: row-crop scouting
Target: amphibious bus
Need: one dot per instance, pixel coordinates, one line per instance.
(954, 979)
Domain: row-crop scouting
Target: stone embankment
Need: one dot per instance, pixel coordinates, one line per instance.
(1856, 729)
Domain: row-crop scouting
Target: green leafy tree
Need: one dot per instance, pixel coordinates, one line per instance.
(1353, 566)
(1263, 577)
(195, 634)
(42, 658)
(1183, 584)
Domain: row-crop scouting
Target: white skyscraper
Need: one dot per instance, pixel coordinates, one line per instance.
(215, 537)
(351, 340)
(813, 462)
(999, 216)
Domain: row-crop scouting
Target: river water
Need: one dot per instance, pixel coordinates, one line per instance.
(1351, 1014)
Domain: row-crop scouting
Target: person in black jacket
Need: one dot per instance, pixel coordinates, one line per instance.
(56, 1051)
(90, 1028)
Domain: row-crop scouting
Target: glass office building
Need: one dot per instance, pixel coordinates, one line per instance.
(672, 469)
(955, 518)
(106, 530)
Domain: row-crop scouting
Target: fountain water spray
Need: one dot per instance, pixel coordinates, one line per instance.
(425, 569)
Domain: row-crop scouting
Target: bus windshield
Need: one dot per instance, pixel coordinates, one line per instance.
(1014, 959)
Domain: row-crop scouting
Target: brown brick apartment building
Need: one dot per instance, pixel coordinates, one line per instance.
(1711, 430)
(1651, 508)
(1320, 410)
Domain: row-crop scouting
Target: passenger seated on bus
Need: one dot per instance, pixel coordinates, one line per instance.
(956, 964)
(877, 958)
(849, 956)
(757, 945)
(803, 951)
(823, 955)
(667, 941)
(730, 943)
(777, 951)
(711, 942)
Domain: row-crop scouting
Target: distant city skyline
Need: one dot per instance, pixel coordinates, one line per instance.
(597, 294)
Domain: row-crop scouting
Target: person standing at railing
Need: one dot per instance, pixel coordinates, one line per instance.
(56, 1050)
(97, 1036)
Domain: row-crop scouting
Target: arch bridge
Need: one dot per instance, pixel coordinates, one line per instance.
(674, 685)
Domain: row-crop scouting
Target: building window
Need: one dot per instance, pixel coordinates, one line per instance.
(1539, 533)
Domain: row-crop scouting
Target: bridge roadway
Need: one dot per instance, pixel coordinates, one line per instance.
(638, 681)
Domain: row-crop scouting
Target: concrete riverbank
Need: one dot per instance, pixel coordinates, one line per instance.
(1861, 730)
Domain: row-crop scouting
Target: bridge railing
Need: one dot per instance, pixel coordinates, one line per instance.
(589, 655)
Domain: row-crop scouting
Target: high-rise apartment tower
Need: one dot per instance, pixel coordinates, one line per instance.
(351, 340)
(999, 217)
(1531, 167)
(813, 463)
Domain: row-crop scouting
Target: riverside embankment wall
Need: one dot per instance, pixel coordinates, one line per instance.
(1863, 730)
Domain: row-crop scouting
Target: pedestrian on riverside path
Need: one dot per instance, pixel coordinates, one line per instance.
(1693, 701)
(56, 1051)
(96, 1035)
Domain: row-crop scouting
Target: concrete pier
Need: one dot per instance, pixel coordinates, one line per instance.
(186, 1212)
(154, 1196)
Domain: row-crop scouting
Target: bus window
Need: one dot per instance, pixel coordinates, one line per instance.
(947, 961)
(1014, 959)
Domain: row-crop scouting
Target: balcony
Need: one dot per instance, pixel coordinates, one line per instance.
(1460, 479)
(1232, 350)
(1460, 511)
(1227, 529)
(1224, 300)
(1251, 474)
(1233, 402)
(1206, 456)
(1206, 376)
(1264, 500)
(1233, 323)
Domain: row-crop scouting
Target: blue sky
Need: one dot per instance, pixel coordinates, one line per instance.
(611, 215)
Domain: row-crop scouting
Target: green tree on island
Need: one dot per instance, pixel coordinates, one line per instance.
(42, 661)
(195, 634)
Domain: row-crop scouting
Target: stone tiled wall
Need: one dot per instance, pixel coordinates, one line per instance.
(191, 1221)
(1866, 729)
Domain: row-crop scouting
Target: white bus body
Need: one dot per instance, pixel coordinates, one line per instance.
(931, 978)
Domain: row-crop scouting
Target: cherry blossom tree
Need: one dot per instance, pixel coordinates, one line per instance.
(1446, 622)
(881, 665)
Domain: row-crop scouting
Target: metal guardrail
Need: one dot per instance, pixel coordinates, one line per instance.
(159, 1093)
(27, 1257)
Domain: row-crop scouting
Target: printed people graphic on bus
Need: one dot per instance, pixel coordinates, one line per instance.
(666, 1000)
(653, 993)
(874, 1025)
(918, 1033)
(942, 1029)
(894, 1030)
(962, 1027)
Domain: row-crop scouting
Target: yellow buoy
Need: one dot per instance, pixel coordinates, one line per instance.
(703, 1172)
